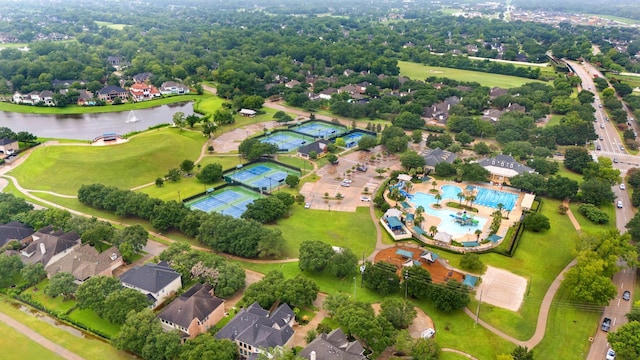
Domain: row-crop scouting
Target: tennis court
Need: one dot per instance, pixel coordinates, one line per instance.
(352, 138)
(320, 129)
(231, 200)
(266, 176)
(287, 140)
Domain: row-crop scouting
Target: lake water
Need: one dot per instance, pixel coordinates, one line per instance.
(89, 126)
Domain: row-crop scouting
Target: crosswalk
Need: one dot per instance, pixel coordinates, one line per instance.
(615, 154)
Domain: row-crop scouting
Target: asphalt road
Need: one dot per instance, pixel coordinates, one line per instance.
(611, 147)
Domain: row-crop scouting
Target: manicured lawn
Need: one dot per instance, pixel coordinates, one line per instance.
(87, 347)
(139, 161)
(554, 120)
(309, 224)
(91, 320)
(417, 71)
(305, 166)
(74, 109)
(110, 25)
(590, 227)
(58, 305)
(563, 171)
(29, 349)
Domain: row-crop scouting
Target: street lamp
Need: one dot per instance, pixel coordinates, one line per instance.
(406, 285)
(354, 287)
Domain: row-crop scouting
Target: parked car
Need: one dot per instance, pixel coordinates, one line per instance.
(345, 184)
(601, 126)
(622, 187)
(619, 204)
(606, 324)
(428, 333)
(598, 147)
(600, 106)
(611, 355)
(615, 160)
(626, 295)
(365, 198)
(347, 181)
(361, 167)
(307, 205)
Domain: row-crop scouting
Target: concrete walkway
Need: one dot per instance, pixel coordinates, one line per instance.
(33, 335)
(545, 306)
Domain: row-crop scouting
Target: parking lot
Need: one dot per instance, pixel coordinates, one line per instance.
(332, 180)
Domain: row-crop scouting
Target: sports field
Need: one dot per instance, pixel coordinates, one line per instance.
(352, 138)
(232, 201)
(420, 72)
(319, 129)
(265, 176)
(287, 140)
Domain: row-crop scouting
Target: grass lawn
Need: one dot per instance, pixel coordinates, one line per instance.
(139, 161)
(554, 119)
(305, 166)
(75, 109)
(58, 305)
(91, 320)
(420, 72)
(29, 349)
(87, 347)
(110, 25)
(590, 227)
(309, 224)
(563, 171)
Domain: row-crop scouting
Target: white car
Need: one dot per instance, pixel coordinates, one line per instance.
(611, 354)
(619, 204)
(347, 181)
(622, 187)
(307, 205)
(365, 198)
(427, 334)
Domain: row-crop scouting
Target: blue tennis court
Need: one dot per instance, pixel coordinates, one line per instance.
(265, 176)
(352, 138)
(232, 201)
(287, 140)
(320, 129)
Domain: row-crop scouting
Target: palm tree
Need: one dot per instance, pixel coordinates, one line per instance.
(500, 208)
(472, 199)
(478, 232)
(434, 184)
(460, 197)
(419, 210)
(438, 198)
(433, 230)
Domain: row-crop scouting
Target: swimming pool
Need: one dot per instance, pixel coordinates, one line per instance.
(491, 198)
(446, 216)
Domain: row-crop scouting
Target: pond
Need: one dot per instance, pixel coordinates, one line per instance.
(89, 126)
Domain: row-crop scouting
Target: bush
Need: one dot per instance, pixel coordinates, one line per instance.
(471, 262)
(594, 214)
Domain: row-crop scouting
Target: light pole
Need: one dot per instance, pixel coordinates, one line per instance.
(406, 285)
(354, 287)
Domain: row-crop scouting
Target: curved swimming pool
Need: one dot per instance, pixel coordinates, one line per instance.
(447, 223)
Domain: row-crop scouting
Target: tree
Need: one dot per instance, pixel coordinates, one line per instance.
(10, 266)
(265, 210)
(416, 136)
(634, 227)
(179, 119)
(192, 120)
(210, 173)
(33, 273)
(314, 255)
(400, 313)
(187, 166)
(298, 291)
(61, 284)
(253, 148)
(626, 341)
(425, 349)
(173, 175)
(381, 277)
(11, 205)
(412, 160)
(536, 222)
(367, 142)
(407, 120)
(471, 262)
(205, 346)
(101, 232)
(134, 235)
(162, 346)
(138, 329)
(343, 263)
(474, 172)
(445, 169)
(577, 159)
(292, 180)
(120, 303)
(587, 282)
(449, 297)
(92, 293)
(596, 192)
(159, 182)
(522, 353)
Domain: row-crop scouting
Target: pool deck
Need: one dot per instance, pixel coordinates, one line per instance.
(483, 211)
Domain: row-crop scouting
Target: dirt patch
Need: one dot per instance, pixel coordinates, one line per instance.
(502, 288)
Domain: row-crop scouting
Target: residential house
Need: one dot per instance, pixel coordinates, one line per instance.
(14, 231)
(254, 329)
(504, 167)
(111, 92)
(65, 84)
(84, 261)
(143, 92)
(349, 89)
(433, 157)
(471, 49)
(362, 87)
(348, 72)
(464, 88)
(440, 111)
(142, 77)
(85, 98)
(115, 60)
(326, 93)
(173, 88)
(157, 281)
(334, 345)
(248, 112)
(194, 312)
(492, 115)
(291, 84)
(516, 107)
(8, 146)
(47, 245)
(320, 148)
(496, 91)
(43, 97)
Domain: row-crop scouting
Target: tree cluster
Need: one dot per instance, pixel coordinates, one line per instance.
(316, 256)
(109, 299)
(298, 291)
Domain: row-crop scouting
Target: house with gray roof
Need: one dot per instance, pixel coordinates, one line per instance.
(194, 312)
(157, 281)
(433, 157)
(14, 231)
(334, 345)
(8, 146)
(111, 92)
(255, 330)
(440, 111)
(503, 167)
(320, 147)
(47, 245)
(142, 77)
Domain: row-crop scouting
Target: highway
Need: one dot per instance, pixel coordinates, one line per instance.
(611, 147)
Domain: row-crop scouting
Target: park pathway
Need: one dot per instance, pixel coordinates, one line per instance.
(545, 306)
(33, 335)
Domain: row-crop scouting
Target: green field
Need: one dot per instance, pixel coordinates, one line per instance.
(63, 169)
(110, 25)
(420, 72)
(29, 349)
